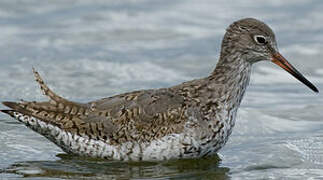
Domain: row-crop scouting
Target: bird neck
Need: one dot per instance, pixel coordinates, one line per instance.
(233, 72)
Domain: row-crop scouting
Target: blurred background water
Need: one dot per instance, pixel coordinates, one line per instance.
(86, 50)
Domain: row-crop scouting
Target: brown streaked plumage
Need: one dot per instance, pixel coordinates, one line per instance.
(193, 119)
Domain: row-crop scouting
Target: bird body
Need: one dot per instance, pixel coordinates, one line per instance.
(193, 119)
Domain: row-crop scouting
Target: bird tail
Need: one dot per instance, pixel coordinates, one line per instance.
(9, 112)
(46, 111)
(54, 98)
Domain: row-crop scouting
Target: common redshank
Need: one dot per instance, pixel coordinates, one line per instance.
(190, 120)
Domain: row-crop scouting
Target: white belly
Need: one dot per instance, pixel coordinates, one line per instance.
(172, 146)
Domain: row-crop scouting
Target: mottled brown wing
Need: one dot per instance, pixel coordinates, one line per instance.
(148, 103)
(139, 115)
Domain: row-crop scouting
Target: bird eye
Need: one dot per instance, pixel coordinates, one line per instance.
(260, 39)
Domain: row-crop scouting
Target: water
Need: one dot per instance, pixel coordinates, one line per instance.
(86, 50)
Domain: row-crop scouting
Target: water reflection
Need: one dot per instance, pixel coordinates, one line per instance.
(72, 167)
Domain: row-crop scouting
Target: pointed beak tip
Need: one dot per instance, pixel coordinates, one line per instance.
(278, 59)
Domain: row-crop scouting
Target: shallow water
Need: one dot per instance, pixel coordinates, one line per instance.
(86, 50)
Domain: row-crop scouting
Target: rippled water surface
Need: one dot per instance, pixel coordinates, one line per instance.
(86, 50)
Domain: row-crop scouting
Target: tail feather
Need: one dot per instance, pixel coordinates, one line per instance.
(15, 107)
(49, 116)
(56, 105)
(55, 99)
(45, 116)
(9, 112)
